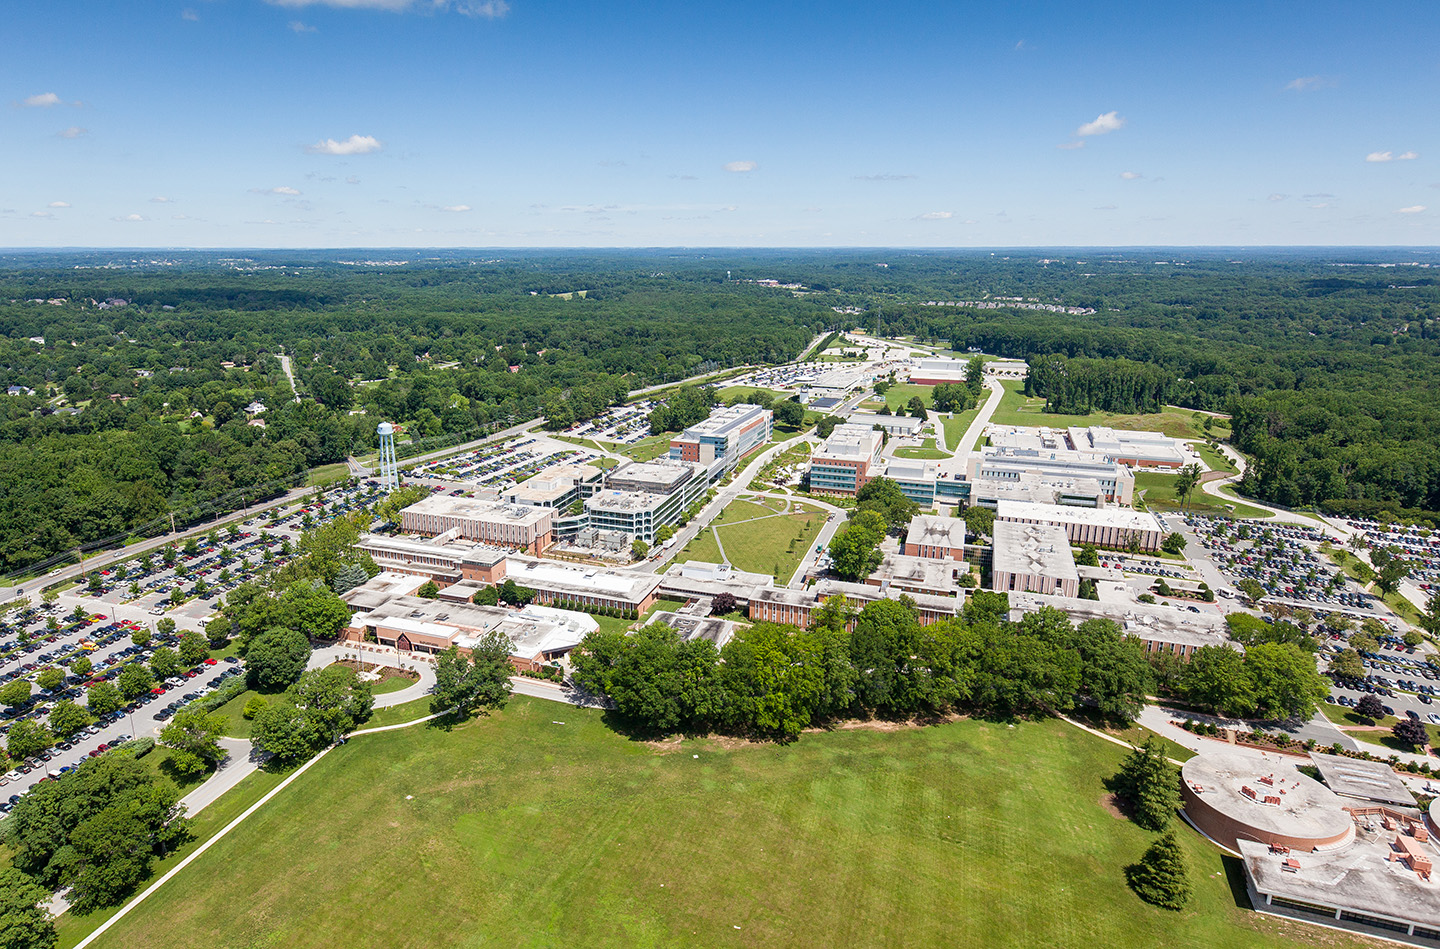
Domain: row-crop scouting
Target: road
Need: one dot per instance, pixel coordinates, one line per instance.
(285, 364)
(987, 411)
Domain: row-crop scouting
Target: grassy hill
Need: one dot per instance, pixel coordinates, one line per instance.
(539, 826)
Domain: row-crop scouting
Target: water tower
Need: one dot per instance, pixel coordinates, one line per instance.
(389, 474)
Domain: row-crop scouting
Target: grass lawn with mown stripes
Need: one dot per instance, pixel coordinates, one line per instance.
(539, 826)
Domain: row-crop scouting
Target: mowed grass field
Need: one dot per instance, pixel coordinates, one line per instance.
(1160, 495)
(755, 541)
(1016, 409)
(516, 830)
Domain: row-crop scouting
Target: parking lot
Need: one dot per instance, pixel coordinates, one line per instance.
(99, 620)
(1402, 678)
(1419, 545)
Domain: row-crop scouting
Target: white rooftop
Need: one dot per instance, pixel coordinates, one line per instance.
(1118, 517)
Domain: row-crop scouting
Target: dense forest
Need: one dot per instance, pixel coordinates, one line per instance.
(134, 375)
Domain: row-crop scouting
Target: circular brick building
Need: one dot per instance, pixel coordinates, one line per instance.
(1233, 796)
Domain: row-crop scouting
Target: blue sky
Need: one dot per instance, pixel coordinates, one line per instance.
(339, 123)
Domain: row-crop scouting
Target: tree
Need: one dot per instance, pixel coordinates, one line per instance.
(1151, 784)
(979, 520)
(1185, 482)
(27, 738)
(516, 595)
(723, 603)
(639, 549)
(1216, 678)
(1347, 664)
(1370, 707)
(1160, 878)
(276, 658)
(1252, 589)
(16, 693)
(1087, 557)
(164, 663)
(487, 596)
(916, 406)
(254, 705)
(1114, 672)
(25, 923)
(1430, 619)
(884, 497)
(134, 680)
(429, 590)
(478, 681)
(1285, 682)
(1412, 639)
(218, 631)
(348, 578)
(193, 648)
(855, 551)
(1174, 543)
(1388, 576)
(140, 637)
(82, 666)
(50, 678)
(1411, 732)
(316, 711)
(193, 736)
(67, 718)
(789, 414)
(103, 699)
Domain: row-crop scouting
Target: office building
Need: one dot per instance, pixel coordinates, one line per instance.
(513, 526)
(848, 460)
(1114, 528)
(557, 487)
(937, 538)
(1032, 558)
(728, 435)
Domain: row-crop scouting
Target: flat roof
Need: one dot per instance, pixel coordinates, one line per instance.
(717, 631)
(479, 509)
(935, 531)
(661, 477)
(1358, 878)
(1367, 780)
(586, 581)
(931, 574)
(725, 420)
(1042, 550)
(1142, 620)
(1122, 518)
(1307, 809)
(887, 421)
(850, 443)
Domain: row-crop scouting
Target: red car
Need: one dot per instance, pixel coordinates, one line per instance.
(157, 691)
(211, 662)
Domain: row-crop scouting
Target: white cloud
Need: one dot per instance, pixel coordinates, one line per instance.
(285, 190)
(73, 131)
(1380, 156)
(298, 27)
(1277, 196)
(1107, 207)
(1131, 175)
(1105, 122)
(1407, 156)
(190, 15)
(456, 208)
(937, 216)
(1071, 146)
(59, 204)
(1320, 207)
(740, 166)
(41, 214)
(354, 145)
(44, 100)
(488, 9)
(1306, 83)
(130, 218)
(1413, 209)
(159, 199)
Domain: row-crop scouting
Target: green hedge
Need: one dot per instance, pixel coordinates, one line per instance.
(226, 692)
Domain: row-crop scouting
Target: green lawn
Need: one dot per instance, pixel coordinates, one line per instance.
(1215, 460)
(326, 474)
(1016, 409)
(899, 395)
(236, 725)
(646, 449)
(518, 830)
(927, 450)
(955, 428)
(1160, 495)
(730, 392)
(758, 546)
(1348, 720)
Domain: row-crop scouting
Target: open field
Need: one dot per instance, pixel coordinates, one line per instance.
(757, 539)
(1160, 496)
(517, 830)
(955, 429)
(1016, 409)
(927, 450)
(731, 392)
(1214, 460)
(1354, 726)
(899, 395)
(326, 474)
